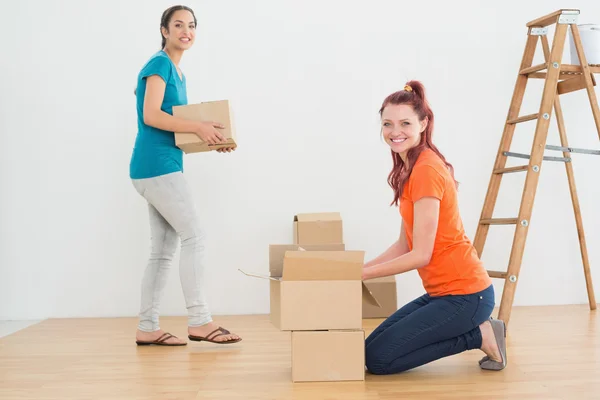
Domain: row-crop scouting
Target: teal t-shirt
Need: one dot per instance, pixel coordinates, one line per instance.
(154, 152)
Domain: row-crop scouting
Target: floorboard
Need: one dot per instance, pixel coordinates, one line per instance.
(554, 353)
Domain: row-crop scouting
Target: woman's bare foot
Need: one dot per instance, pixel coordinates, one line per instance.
(488, 342)
(142, 336)
(206, 330)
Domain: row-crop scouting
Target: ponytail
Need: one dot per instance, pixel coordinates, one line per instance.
(417, 90)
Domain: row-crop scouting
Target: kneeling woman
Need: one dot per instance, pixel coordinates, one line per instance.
(454, 314)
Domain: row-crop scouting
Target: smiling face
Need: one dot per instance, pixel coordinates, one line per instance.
(182, 31)
(401, 127)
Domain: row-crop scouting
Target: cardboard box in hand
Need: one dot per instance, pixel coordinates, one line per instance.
(216, 111)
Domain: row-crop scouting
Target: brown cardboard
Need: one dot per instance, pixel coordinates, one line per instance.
(384, 290)
(216, 111)
(318, 228)
(277, 253)
(321, 356)
(319, 289)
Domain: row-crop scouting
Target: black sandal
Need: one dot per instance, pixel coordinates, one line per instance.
(210, 338)
(161, 341)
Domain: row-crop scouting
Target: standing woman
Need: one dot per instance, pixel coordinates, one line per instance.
(156, 170)
(454, 314)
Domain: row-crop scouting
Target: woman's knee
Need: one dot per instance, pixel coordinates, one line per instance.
(376, 363)
(193, 235)
(165, 246)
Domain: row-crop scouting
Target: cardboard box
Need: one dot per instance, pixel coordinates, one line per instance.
(384, 290)
(321, 356)
(277, 253)
(316, 290)
(217, 111)
(318, 228)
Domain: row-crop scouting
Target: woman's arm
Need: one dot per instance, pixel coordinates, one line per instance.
(426, 213)
(398, 248)
(157, 118)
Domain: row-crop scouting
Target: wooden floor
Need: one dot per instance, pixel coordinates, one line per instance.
(554, 353)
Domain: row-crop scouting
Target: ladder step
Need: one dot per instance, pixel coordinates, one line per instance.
(526, 156)
(533, 69)
(508, 170)
(497, 274)
(499, 221)
(571, 84)
(523, 118)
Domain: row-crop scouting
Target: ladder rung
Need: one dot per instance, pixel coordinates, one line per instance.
(535, 68)
(538, 75)
(499, 221)
(523, 118)
(571, 68)
(511, 169)
(572, 149)
(527, 156)
(497, 274)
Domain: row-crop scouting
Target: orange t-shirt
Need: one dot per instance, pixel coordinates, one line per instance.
(455, 267)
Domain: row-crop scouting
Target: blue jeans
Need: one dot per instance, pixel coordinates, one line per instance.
(427, 329)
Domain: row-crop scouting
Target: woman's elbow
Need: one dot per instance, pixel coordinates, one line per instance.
(148, 118)
(424, 258)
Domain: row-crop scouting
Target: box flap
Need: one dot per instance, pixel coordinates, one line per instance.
(277, 253)
(367, 296)
(312, 217)
(323, 265)
(254, 275)
(383, 279)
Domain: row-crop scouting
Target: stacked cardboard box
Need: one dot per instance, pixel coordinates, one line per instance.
(327, 228)
(318, 228)
(317, 294)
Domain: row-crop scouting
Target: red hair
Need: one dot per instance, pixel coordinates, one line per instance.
(417, 100)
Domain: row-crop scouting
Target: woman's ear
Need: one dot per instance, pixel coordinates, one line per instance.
(424, 124)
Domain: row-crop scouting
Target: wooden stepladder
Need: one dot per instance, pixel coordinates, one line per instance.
(559, 79)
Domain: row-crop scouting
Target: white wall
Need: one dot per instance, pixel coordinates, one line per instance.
(306, 80)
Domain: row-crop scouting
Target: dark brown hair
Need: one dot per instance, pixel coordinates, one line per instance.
(166, 18)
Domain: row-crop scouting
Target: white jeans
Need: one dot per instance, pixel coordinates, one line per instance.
(172, 217)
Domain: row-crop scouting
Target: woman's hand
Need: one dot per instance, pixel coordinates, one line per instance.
(364, 274)
(208, 132)
(426, 214)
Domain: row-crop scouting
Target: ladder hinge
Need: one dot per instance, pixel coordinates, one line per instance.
(568, 17)
(539, 31)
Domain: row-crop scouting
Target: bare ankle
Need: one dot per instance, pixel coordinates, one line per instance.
(488, 341)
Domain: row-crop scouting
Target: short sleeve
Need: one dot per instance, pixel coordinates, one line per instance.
(426, 182)
(157, 66)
